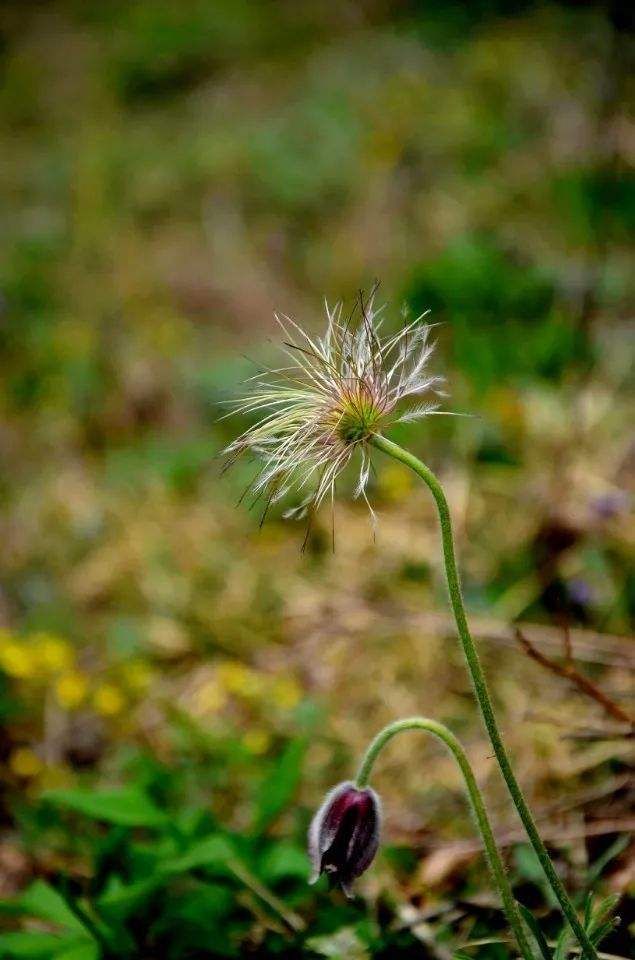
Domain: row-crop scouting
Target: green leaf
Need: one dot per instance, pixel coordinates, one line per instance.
(534, 926)
(529, 868)
(528, 864)
(42, 900)
(603, 910)
(30, 945)
(86, 950)
(200, 907)
(211, 852)
(284, 860)
(598, 922)
(126, 807)
(120, 900)
(279, 787)
(562, 944)
(595, 870)
(603, 931)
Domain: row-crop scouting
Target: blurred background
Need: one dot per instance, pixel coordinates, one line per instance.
(177, 686)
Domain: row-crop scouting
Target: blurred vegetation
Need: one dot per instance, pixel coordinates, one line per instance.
(178, 688)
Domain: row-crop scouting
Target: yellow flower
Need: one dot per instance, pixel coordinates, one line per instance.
(257, 741)
(210, 697)
(395, 481)
(286, 693)
(23, 762)
(71, 689)
(16, 659)
(55, 777)
(239, 679)
(53, 653)
(137, 675)
(108, 700)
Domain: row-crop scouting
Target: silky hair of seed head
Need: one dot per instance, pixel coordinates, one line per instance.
(322, 408)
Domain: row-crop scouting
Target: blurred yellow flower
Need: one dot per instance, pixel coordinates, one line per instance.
(137, 675)
(286, 693)
(257, 741)
(23, 762)
(395, 481)
(210, 697)
(54, 777)
(70, 689)
(239, 679)
(108, 700)
(53, 653)
(507, 405)
(16, 658)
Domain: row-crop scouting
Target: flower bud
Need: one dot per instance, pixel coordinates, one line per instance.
(344, 834)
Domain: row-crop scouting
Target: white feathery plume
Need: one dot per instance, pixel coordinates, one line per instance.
(338, 391)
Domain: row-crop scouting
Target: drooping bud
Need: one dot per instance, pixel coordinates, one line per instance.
(344, 834)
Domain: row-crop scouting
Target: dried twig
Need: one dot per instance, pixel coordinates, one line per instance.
(568, 649)
(557, 834)
(569, 671)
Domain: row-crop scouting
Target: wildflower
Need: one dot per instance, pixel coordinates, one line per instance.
(286, 693)
(257, 741)
(16, 658)
(24, 763)
(611, 504)
(137, 675)
(339, 391)
(54, 653)
(395, 482)
(239, 679)
(210, 697)
(108, 700)
(70, 689)
(344, 834)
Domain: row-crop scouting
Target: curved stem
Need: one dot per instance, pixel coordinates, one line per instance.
(477, 803)
(480, 685)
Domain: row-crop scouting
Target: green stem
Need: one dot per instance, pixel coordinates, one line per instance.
(480, 685)
(290, 917)
(476, 800)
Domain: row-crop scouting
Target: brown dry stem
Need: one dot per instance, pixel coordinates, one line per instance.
(568, 671)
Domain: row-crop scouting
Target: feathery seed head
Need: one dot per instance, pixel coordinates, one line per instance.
(339, 390)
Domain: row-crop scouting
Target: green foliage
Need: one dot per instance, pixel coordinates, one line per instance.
(535, 928)
(504, 323)
(280, 784)
(596, 202)
(76, 940)
(164, 48)
(126, 807)
(152, 856)
(598, 920)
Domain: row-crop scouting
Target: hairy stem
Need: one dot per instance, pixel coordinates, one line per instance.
(480, 685)
(476, 801)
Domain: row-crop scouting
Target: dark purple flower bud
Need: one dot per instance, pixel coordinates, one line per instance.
(344, 834)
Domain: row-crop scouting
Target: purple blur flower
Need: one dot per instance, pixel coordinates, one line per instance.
(344, 835)
(611, 504)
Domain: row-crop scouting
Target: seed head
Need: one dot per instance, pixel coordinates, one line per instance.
(338, 391)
